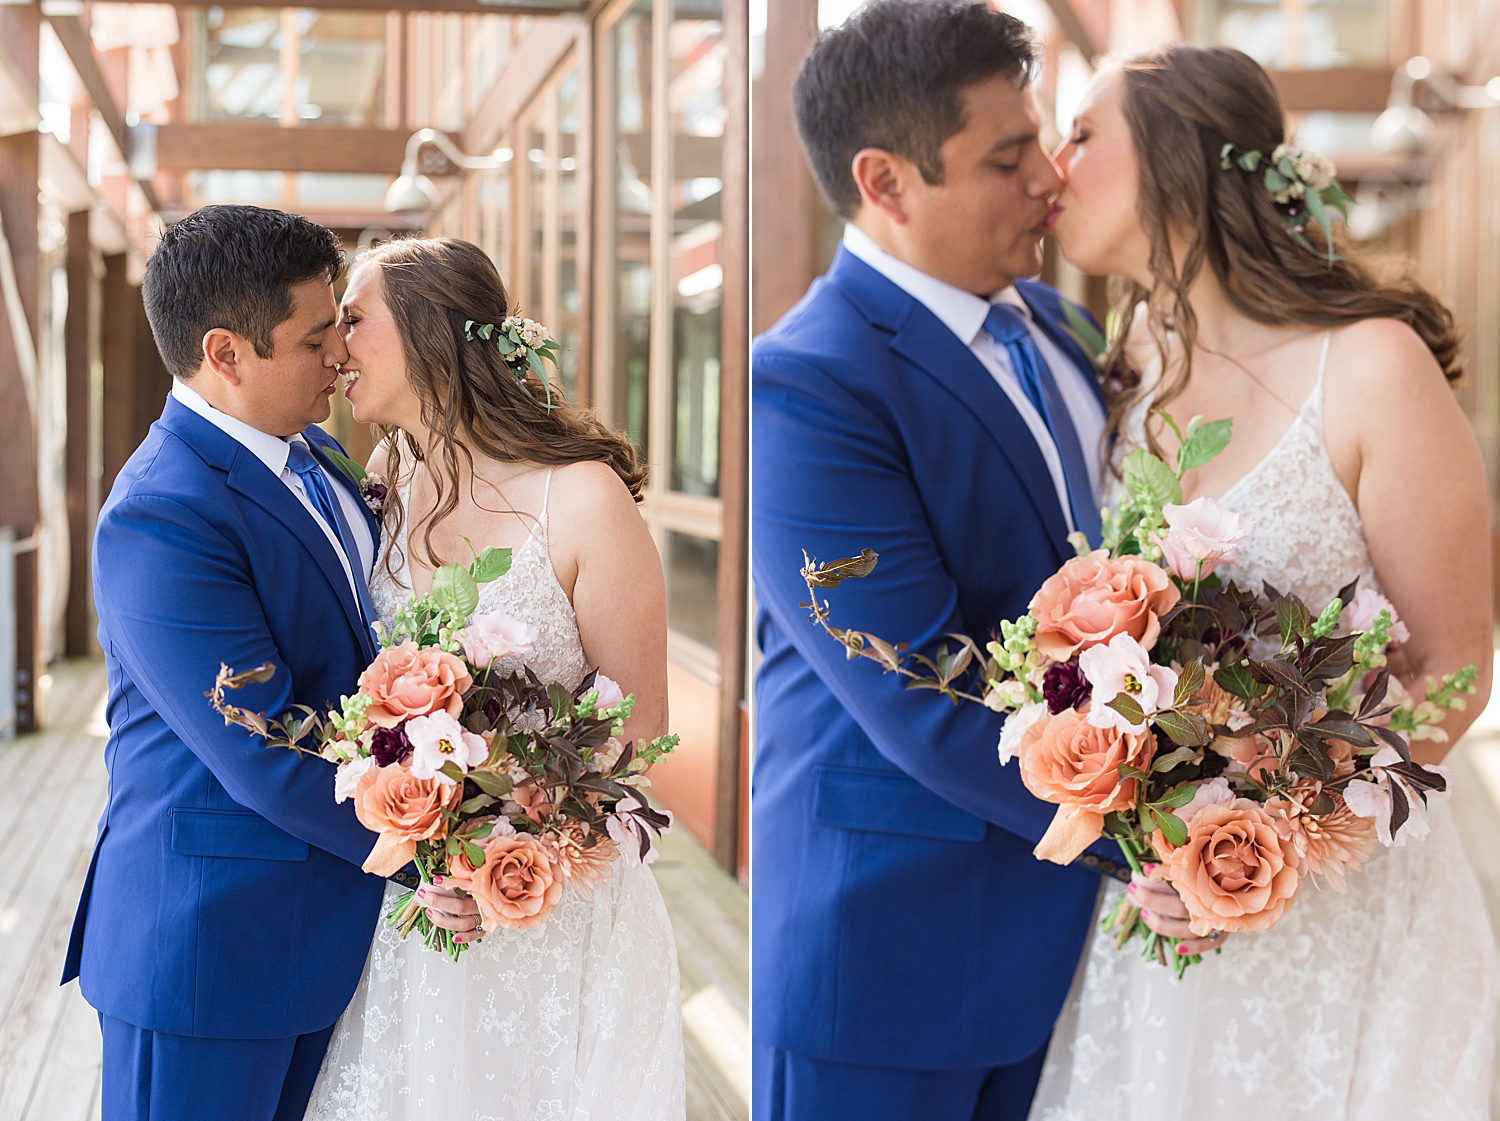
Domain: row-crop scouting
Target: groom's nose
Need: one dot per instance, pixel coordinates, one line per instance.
(1046, 178)
(335, 353)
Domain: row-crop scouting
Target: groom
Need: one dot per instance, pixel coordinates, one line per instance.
(910, 952)
(225, 919)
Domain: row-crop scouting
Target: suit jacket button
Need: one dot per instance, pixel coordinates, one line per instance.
(1108, 867)
(1090, 860)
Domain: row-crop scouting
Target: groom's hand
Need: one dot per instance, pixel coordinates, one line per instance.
(1163, 911)
(451, 911)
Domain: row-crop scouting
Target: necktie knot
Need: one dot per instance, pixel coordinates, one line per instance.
(1006, 324)
(299, 459)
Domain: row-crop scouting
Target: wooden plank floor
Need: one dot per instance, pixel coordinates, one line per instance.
(52, 790)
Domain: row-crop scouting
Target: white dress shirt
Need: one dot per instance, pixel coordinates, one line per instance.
(273, 452)
(963, 313)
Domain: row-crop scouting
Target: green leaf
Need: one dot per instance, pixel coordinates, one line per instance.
(1249, 161)
(1293, 619)
(486, 330)
(476, 803)
(1184, 728)
(1203, 443)
(454, 591)
(507, 347)
(346, 465)
(1150, 481)
(1275, 181)
(1178, 796)
(1237, 679)
(1173, 828)
(452, 771)
(1224, 155)
(496, 785)
(1173, 758)
(1189, 681)
(1319, 214)
(1084, 333)
(490, 565)
(1127, 707)
(1127, 771)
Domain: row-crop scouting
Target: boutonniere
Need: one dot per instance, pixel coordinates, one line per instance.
(1118, 377)
(372, 488)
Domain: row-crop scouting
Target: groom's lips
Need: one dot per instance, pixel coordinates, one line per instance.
(1050, 222)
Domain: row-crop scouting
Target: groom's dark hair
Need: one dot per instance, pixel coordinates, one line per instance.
(892, 77)
(231, 267)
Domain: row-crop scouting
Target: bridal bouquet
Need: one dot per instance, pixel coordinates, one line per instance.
(1233, 743)
(511, 788)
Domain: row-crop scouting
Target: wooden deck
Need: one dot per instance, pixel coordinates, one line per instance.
(52, 789)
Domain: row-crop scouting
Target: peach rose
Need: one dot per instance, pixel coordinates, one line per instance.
(404, 681)
(402, 810)
(1235, 872)
(519, 883)
(1093, 598)
(1067, 761)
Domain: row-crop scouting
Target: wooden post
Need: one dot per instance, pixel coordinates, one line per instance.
(788, 209)
(734, 434)
(117, 351)
(83, 448)
(20, 157)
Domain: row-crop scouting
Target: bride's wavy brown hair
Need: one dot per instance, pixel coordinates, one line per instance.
(472, 402)
(1184, 103)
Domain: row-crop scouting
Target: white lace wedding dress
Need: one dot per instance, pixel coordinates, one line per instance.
(578, 1019)
(1377, 1005)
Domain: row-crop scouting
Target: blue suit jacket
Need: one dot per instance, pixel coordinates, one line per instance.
(225, 897)
(900, 918)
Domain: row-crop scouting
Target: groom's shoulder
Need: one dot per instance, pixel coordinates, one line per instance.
(825, 330)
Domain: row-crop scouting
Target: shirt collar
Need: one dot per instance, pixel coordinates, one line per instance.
(270, 450)
(961, 312)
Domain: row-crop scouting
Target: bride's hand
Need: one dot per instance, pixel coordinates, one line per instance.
(1164, 913)
(451, 911)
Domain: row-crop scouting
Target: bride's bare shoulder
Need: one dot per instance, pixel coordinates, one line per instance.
(589, 492)
(1381, 366)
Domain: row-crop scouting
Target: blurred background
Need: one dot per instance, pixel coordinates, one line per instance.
(596, 149)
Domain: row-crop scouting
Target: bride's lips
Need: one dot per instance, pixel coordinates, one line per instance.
(1052, 216)
(350, 377)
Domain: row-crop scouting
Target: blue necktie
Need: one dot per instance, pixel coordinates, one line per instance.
(301, 460)
(1007, 326)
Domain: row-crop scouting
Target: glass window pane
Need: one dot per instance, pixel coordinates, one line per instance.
(693, 587)
(568, 302)
(1305, 36)
(534, 167)
(631, 252)
(697, 102)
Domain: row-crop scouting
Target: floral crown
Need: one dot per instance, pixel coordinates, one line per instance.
(522, 343)
(1302, 185)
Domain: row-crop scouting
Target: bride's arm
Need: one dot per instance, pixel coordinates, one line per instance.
(607, 561)
(1422, 497)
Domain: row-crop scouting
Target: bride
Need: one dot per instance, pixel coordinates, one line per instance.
(579, 1017)
(1353, 458)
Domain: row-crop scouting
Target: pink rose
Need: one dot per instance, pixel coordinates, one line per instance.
(493, 636)
(1201, 534)
(610, 693)
(1095, 597)
(1360, 615)
(405, 681)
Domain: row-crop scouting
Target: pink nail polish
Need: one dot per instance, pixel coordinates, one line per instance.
(437, 879)
(429, 912)
(421, 893)
(1183, 950)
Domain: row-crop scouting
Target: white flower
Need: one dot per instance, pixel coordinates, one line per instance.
(439, 739)
(1214, 792)
(1370, 796)
(610, 693)
(533, 334)
(346, 778)
(1005, 696)
(1124, 667)
(1016, 726)
(628, 834)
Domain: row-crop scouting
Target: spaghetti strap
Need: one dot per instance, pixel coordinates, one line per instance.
(541, 522)
(1323, 361)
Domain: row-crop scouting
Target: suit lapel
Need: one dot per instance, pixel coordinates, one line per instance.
(314, 436)
(248, 476)
(922, 339)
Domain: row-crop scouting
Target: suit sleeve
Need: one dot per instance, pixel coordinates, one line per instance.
(830, 477)
(176, 600)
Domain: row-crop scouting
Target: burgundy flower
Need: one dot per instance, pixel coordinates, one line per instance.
(1065, 686)
(390, 745)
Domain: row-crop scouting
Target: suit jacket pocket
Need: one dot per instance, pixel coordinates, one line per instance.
(232, 833)
(882, 802)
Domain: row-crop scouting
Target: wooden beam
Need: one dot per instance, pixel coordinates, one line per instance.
(1071, 22)
(480, 7)
(82, 450)
(531, 61)
(734, 434)
(1343, 89)
(250, 147)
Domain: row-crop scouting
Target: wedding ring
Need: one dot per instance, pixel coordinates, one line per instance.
(1214, 937)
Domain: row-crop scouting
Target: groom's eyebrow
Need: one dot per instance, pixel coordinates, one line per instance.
(318, 330)
(1016, 141)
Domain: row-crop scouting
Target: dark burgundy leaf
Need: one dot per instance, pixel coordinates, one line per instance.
(1400, 808)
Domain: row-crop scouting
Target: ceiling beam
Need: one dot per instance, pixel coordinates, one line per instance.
(1340, 89)
(506, 8)
(1072, 25)
(246, 147)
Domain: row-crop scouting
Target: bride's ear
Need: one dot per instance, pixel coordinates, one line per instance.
(878, 174)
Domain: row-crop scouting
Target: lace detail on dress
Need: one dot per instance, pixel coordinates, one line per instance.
(1377, 1005)
(578, 1019)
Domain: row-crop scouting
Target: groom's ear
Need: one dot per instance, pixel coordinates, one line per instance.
(224, 353)
(879, 175)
